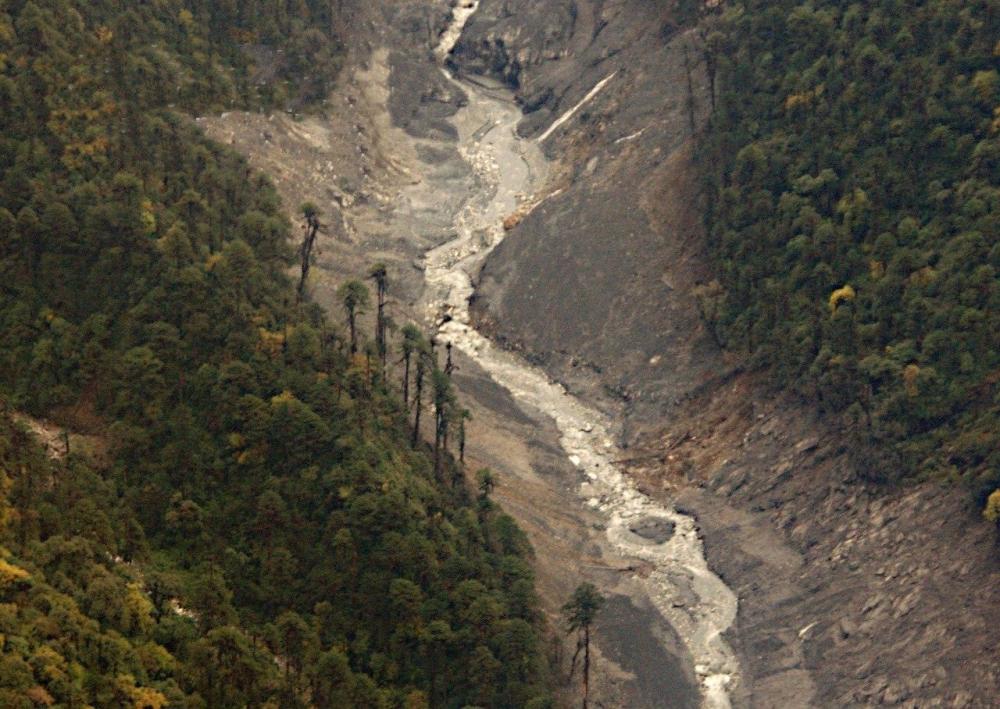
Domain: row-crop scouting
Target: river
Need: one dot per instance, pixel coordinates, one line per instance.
(509, 171)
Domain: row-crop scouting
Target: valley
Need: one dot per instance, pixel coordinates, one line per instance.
(597, 394)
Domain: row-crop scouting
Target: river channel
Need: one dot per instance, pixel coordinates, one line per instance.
(509, 172)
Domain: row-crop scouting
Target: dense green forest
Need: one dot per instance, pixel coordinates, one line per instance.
(853, 167)
(256, 527)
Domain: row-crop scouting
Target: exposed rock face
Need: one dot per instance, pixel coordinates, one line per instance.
(387, 117)
(851, 594)
(504, 38)
(621, 235)
(421, 99)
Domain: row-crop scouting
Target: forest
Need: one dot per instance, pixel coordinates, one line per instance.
(249, 517)
(852, 168)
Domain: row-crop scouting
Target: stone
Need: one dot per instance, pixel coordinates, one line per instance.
(908, 603)
(654, 529)
(895, 693)
(847, 628)
(872, 603)
(962, 699)
(806, 445)
(866, 669)
(878, 685)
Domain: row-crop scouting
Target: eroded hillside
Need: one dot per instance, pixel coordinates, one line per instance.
(851, 593)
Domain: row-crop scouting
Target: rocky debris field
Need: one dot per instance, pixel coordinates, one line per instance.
(851, 594)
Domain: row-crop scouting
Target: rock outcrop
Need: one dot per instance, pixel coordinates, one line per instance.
(503, 39)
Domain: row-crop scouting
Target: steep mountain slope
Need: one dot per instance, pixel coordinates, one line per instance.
(418, 186)
(262, 531)
(854, 190)
(619, 236)
(852, 592)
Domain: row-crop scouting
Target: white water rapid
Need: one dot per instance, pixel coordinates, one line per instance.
(698, 605)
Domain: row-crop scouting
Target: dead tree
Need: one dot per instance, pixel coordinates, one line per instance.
(311, 231)
(380, 275)
(418, 397)
(690, 91)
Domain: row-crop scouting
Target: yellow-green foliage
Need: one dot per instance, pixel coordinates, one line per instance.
(812, 190)
(10, 574)
(992, 511)
(842, 295)
(144, 291)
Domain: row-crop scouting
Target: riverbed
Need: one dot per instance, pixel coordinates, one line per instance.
(509, 177)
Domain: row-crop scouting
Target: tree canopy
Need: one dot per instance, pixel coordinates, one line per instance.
(854, 211)
(256, 528)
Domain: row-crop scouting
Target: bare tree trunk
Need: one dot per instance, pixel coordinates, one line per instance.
(690, 90)
(380, 335)
(305, 253)
(576, 655)
(438, 416)
(417, 400)
(406, 382)
(711, 63)
(572, 665)
(444, 440)
(586, 665)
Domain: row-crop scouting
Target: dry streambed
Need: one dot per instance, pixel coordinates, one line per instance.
(696, 603)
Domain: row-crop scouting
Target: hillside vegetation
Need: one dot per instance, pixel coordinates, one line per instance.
(853, 163)
(260, 531)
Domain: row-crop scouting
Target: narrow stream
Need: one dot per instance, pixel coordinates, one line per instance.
(508, 170)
